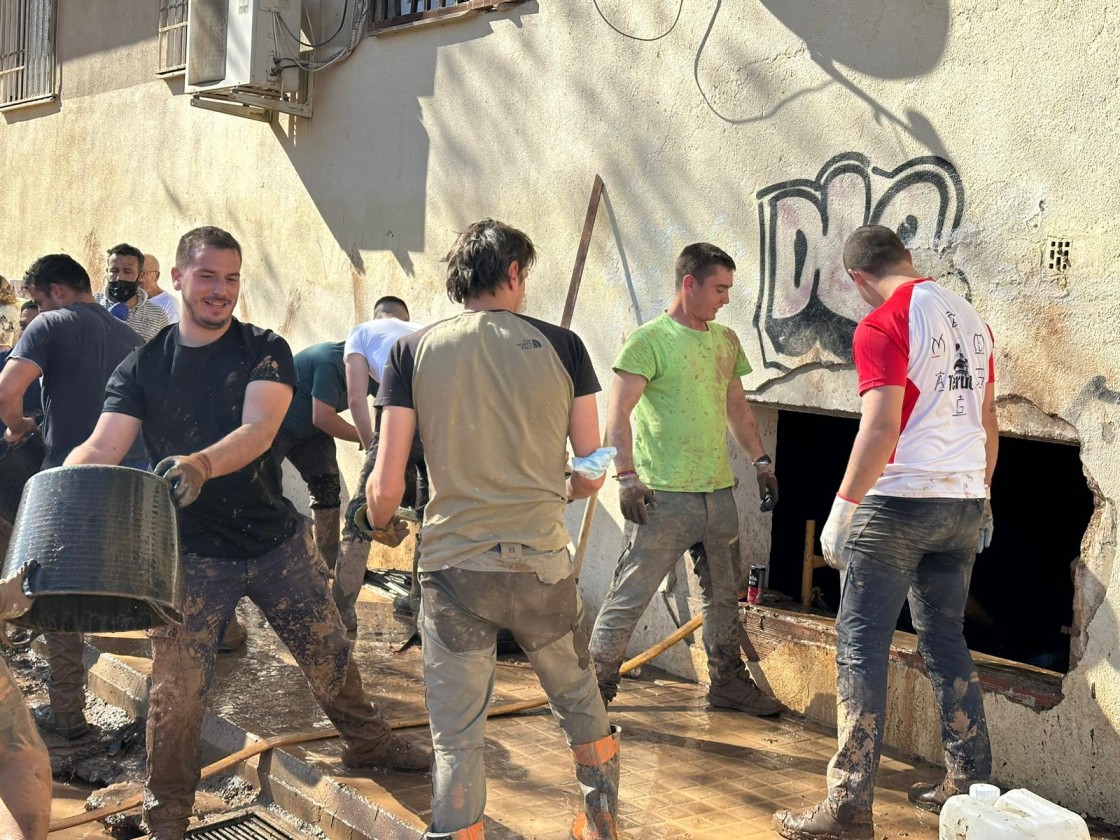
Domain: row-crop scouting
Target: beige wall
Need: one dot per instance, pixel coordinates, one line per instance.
(739, 107)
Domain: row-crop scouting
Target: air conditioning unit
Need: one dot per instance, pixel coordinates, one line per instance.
(243, 44)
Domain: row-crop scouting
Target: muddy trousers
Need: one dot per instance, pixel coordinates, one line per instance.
(289, 585)
(924, 548)
(677, 522)
(316, 459)
(67, 684)
(354, 550)
(461, 613)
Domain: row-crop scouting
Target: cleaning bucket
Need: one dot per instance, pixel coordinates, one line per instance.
(106, 540)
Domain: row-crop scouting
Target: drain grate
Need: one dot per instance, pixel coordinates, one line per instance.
(247, 825)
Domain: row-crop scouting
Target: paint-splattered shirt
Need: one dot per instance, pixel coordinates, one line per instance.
(680, 422)
(191, 397)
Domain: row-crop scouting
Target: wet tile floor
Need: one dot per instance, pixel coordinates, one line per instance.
(687, 771)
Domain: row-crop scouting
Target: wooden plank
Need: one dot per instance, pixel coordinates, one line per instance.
(581, 252)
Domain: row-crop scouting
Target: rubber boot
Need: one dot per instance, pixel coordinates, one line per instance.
(349, 573)
(324, 524)
(471, 832)
(597, 771)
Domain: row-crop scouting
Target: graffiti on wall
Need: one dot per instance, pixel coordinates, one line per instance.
(807, 307)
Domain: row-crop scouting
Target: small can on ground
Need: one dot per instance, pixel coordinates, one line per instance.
(756, 582)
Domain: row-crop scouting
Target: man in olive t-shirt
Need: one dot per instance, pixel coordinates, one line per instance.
(679, 377)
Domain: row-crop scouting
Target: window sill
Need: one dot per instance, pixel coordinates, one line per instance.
(405, 23)
(769, 627)
(28, 103)
(171, 72)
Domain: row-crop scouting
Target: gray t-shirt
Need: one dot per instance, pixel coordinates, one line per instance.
(76, 349)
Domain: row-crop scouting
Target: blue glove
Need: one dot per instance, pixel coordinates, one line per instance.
(120, 310)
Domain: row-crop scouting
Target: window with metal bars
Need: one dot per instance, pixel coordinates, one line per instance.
(26, 51)
(172, 36)
(388, 14)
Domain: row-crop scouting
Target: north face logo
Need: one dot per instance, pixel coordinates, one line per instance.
(529, 344)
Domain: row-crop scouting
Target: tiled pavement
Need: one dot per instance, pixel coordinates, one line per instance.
(687, 771)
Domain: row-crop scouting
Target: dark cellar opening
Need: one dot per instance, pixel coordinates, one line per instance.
(1022, 585)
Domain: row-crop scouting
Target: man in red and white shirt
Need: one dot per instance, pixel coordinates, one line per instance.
(911, 515)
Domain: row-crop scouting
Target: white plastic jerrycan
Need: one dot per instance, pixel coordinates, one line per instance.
(1017, 815)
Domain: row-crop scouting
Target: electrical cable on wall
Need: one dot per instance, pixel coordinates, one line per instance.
(358, 27)
(302, 43)
(638, 37)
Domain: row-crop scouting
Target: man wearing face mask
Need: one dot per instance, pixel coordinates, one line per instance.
(123, 296)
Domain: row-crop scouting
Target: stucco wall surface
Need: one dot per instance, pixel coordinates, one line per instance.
(981, 130)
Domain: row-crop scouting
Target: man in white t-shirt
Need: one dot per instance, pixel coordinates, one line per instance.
(910, 517)
(149, 283)
(365, 353)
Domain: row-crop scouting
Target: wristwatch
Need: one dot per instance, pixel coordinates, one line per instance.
(763, 461)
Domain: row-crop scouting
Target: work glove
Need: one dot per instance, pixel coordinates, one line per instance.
(187, 474)
(633, 498)
(836, 531)
(987, 526)
(767, 483)
(391, 535)
(13, 598)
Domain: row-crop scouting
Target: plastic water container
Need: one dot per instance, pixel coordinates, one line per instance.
(1017, 815)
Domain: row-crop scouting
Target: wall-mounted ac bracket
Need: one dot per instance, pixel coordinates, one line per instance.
(255, 104)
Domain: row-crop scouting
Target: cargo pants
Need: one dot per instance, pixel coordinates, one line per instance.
(924, 548)
(677, 521)
(460, 615)
(289, 585)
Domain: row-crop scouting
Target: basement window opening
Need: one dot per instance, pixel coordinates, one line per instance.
(1021, 596)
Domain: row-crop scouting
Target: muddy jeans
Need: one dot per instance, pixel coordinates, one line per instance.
(415, 483)
(289, 584)
(676, 523)
(66, 685)
(461, 614)
(924, 547)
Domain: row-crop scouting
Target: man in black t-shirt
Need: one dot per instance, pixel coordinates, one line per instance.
(496, 397)
(209, 394)
(73, 346)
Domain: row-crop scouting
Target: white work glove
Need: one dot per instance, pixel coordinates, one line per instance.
(836, 532)
(596, 464)
(987, 526)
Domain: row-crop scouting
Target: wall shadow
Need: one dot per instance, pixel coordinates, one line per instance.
(372, 130)
(871, 37)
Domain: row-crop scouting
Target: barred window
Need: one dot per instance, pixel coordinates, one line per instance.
(388, 14)
(172, 36)
(27, 71)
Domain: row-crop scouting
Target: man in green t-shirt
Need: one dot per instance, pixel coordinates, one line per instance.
(679, 375)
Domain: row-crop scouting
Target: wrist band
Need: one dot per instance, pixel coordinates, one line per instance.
(206, 465)
(763, 460)
(846, 499)
(621, 474)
